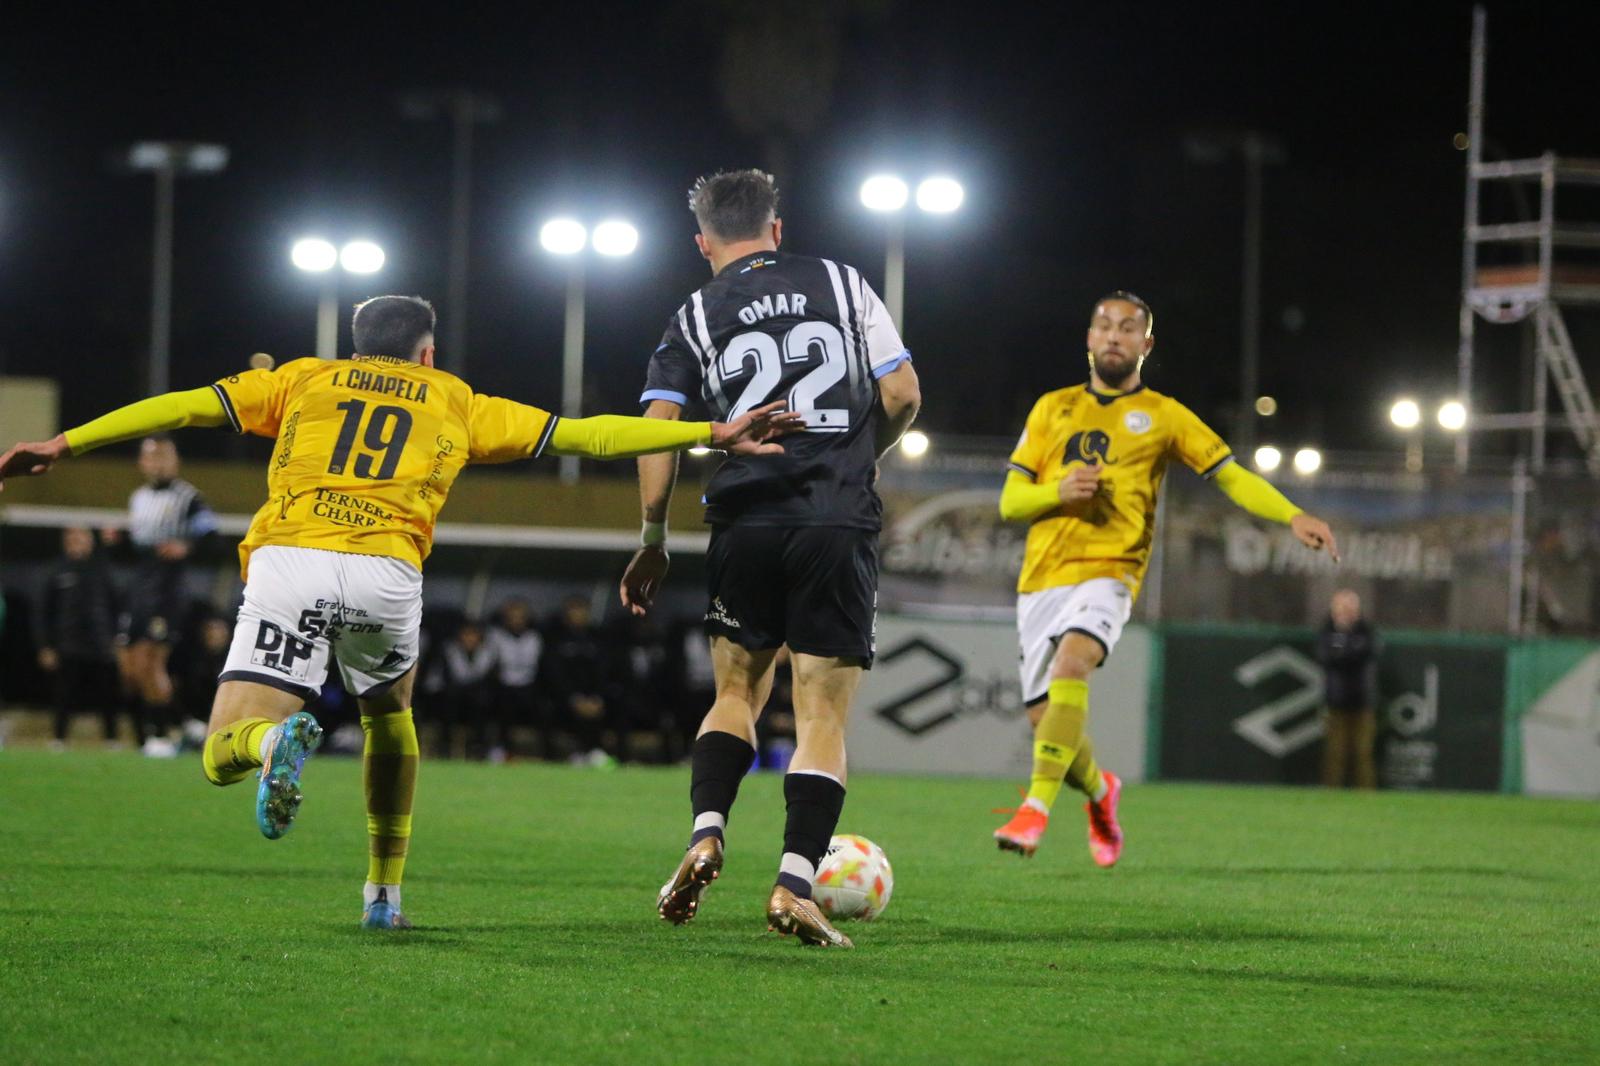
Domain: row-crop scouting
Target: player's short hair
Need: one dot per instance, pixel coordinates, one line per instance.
(1128, 297)
(735, 205)
(392, 325)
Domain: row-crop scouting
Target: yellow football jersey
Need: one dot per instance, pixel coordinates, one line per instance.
(1130, 436)
(368, 448)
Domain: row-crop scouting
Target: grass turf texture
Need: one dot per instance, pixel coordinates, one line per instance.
(142, 918)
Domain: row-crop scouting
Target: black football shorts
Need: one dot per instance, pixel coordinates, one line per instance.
(814, 588)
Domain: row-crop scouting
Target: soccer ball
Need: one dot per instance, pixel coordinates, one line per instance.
(854, 880)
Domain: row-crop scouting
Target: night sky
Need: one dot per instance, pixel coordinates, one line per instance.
(1067, 130)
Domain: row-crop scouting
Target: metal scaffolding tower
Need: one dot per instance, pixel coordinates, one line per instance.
(1534, 283)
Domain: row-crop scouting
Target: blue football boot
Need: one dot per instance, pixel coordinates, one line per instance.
(381, 914)
(278, 797)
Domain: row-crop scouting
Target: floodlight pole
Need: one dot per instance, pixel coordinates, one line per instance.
(328, 316)
(1254, 150)
(160, 366)
(572, 360)
(894, 270)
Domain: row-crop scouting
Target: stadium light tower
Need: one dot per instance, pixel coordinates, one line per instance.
(888, 195)
(1258, 151)
(567, 238)
(317, 256)
(168, 161)
(465, 109)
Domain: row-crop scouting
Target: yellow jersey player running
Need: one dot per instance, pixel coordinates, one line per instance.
(367, 449)
(1085, 474)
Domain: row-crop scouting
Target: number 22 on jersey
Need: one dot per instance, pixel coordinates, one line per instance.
(772, 358)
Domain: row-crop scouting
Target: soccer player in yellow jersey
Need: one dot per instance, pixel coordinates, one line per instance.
(367, 449)
(1085, 474)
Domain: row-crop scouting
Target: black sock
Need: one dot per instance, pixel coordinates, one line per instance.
(814, 805)
(719, 762)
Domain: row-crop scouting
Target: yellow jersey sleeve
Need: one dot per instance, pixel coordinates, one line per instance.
(1032, 451)
(500, 430)
(1196, 443)
(255, 400)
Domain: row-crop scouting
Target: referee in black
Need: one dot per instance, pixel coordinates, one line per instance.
(794, 544)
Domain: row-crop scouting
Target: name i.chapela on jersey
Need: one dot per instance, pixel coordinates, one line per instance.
(382, 384)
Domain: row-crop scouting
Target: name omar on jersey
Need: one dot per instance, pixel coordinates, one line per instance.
(783, 303)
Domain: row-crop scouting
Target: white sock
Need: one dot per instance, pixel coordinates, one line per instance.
(1037, 804)
(369, 895)
(710, 820)
(1100, 793)
(264, 741)
(798, 866)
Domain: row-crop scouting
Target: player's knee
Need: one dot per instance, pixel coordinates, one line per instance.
(1071, 667)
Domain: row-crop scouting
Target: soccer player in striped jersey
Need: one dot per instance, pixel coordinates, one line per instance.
(793, 558)
(168, 522)
(1085, 476)
(367, 449)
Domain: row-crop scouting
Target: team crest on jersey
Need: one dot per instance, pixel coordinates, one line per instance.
(1088, 446)
(1136, 421)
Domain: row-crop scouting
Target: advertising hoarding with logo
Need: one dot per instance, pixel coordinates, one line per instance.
(943, 697)
(1245, 705)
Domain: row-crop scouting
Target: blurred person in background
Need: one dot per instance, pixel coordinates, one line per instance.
(198, 659)
(467, 666)
(645, 674)
(168, 522)
(518, 648)
(579, 688)
(76, 626)
(1348, 648)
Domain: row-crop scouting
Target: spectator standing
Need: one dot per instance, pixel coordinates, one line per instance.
(578, 686)
(469, 668)
(76, 629)
(518, 649)
(1348, 648)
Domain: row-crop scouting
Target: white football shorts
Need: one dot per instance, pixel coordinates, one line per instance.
(1097, 608)
(303, 606)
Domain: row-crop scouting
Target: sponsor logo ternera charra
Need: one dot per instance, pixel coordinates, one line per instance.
(1091, 446)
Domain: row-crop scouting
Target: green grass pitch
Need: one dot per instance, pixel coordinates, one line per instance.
(142, 919)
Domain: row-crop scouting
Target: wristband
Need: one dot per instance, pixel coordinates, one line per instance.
(653, 535)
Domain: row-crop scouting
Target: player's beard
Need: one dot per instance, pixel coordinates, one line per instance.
(1114, 369)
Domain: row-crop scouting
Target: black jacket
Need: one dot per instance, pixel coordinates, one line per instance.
(1350, 660)
(78, 610)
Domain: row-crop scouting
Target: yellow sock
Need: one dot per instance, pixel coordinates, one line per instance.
(1084, 774)
(1057, 739)
(389, 774)
(230, 753)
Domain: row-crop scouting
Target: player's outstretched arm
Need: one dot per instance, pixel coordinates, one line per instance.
(624, 437)
(1255, 494)
(172, 410)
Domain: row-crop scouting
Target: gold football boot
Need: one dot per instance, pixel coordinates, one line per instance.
(679, 900)
(788, 914)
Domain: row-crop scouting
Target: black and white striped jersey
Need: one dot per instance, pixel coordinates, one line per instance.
(170, 510)
(772, 326)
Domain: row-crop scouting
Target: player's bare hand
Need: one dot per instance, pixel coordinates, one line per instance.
(1315, 534)
(753, 432)
(49, 661)
(32, 457)
(173, 550)
(643, 578)
(1079, 485)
